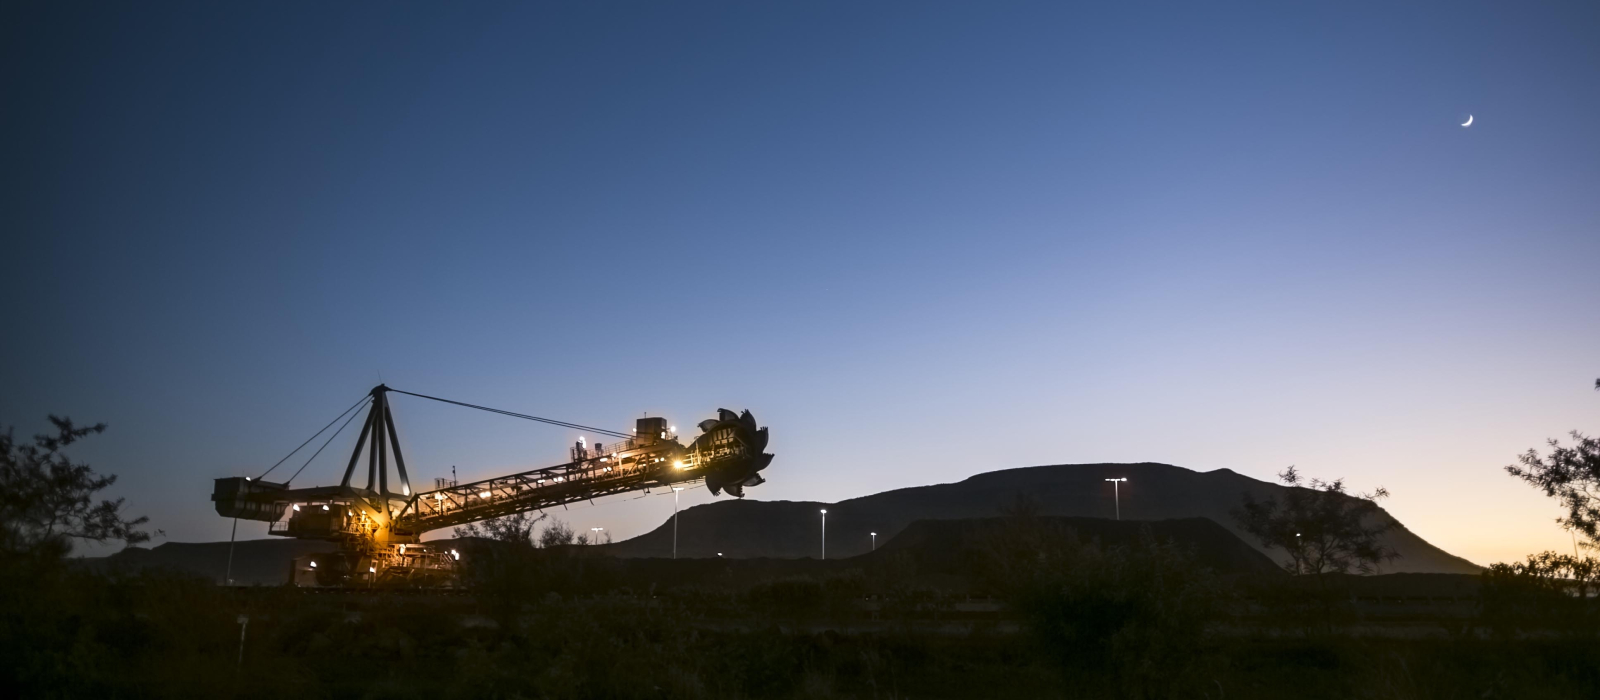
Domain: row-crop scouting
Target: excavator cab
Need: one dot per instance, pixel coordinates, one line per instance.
(246, 499)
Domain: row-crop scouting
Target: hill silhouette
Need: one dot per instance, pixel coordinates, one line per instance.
(255, 562)
(940, 550)
(939, 554)
(941, 546)
(1180, 504)
(791, 529)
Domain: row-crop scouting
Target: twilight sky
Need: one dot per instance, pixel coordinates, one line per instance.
(919, 240)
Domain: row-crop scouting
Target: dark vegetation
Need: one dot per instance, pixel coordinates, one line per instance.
(47, 502)
(1322, 528)
(1571, 475)
(1325, 531)
(1019, 605)
(1551, 590)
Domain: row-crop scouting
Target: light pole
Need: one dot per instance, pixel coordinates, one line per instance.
(824, 533)
(244, 624)
(227, 576)
(596, 531)
(1116, 495)
(675, 491)
(874, 541)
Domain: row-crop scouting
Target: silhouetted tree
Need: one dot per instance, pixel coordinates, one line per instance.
(1572, 476)
(1551, 590)
(511, 529)
(47, 501)
(1140, 612)
(1547, 592)
(557, 533)
(1323, 528)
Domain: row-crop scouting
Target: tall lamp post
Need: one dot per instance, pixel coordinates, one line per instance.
(824, 533)
(227, 576)
(675, 491)
(596, 531)
(874, 541)
(1116, 494)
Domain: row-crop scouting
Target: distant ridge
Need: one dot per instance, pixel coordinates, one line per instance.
(255, 562)
(747, 529)
(940, 549)
(791, 529)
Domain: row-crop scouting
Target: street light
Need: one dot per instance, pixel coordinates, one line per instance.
(596, 531)
(824, 532)
(675, 491)
(874, 541)
(244, 624)
(1116, 495)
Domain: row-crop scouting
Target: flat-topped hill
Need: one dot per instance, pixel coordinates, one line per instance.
(792, 529)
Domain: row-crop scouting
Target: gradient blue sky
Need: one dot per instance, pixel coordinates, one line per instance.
(920, 240)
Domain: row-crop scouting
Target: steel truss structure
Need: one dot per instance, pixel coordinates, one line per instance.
(380, 529)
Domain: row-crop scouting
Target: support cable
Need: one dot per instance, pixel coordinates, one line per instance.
(313, 437)
(564, 424)
(324, 446)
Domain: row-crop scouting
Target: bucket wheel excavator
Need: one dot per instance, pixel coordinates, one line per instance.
(379, 529)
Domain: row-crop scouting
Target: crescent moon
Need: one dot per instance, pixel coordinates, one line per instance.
(1469, 121)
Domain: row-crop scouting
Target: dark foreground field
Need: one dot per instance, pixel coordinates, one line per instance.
(169, 638)
(1001, 608)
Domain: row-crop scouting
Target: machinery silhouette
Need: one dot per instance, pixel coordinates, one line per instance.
(379, 530)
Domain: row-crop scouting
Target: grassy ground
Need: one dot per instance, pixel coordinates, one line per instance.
(158, 637)
(1068, 618)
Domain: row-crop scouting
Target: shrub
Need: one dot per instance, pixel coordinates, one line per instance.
(1549, 593)
(1139, 612)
